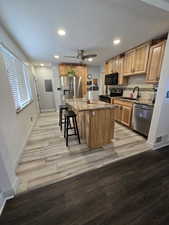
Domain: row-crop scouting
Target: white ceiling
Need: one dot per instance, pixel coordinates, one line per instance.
(90, 25)
(163, 4)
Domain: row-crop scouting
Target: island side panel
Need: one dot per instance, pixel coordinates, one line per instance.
(82, 123)
(101, 127)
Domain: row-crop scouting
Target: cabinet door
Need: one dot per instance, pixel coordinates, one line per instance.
(129, 62)
(106, 68)
(62, 69)
(155, 62)
(121, 80)
(126, 115)
(109, 66)
(118, 113)
(141, 59)
(116, 64)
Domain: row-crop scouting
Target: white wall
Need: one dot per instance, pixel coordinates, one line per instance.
(94, 70)
(160, 121)
(14, 128)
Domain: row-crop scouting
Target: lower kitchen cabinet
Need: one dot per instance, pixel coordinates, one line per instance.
(118, 113)
(123, 112)
(126, 114)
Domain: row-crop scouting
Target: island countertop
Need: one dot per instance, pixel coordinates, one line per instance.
(80, 105)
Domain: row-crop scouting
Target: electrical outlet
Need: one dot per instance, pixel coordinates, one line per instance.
(163, 139)
(158, 139)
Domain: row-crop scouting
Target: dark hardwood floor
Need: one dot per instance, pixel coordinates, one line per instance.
(134, 191)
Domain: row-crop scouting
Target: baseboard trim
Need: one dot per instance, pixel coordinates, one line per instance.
(24, 144)
(16, 182)
(157, 145)
(3, 200)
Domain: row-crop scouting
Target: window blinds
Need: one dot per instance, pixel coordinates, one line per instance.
(18, 77)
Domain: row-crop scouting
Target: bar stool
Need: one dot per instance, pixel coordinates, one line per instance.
(68, 116)
(62, 108)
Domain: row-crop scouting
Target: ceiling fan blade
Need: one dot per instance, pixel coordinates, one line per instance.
(67, 56)
(89, 56)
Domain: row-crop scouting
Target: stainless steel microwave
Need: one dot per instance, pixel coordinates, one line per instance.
(111, 79)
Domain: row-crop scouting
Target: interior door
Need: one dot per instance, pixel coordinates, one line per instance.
(45, 94)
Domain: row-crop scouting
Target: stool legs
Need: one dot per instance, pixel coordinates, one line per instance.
(77, 130)
(61, 120)
(60, 117)
(67, 127)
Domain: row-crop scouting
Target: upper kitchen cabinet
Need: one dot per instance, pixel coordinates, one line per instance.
(115, 64)
(135, 60)
(110, 68)
(112, 65)
(106, 68)
(155, 62)
(141, 59)
(129, 62)
(122, 80)
(62, 69)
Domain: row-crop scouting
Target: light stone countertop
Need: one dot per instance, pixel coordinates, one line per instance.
(80, 104)
(141, 101)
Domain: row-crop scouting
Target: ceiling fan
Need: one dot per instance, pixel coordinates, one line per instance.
(82, 56)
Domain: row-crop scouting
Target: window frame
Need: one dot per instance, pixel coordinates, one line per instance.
(25, 75)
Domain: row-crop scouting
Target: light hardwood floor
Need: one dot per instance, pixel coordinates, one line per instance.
(46, 159)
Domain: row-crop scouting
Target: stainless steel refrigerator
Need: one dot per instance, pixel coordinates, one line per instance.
(70, 86)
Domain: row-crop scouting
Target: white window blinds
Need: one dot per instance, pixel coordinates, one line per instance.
(18, 77)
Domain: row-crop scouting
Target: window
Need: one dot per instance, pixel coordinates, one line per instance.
(18, 75)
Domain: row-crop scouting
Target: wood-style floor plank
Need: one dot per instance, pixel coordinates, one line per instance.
(47, 160)
(133, 191)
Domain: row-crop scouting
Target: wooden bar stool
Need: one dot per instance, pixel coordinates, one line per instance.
(62, 108)
(70, 115)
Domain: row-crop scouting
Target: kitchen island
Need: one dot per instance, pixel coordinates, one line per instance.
(95, 121)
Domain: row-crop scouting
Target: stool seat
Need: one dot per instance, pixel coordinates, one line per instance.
(63, 107)
(70, 113)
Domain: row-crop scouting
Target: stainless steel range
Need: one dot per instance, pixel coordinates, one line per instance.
(142, 115)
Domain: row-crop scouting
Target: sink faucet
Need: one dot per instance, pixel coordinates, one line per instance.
(138, 91)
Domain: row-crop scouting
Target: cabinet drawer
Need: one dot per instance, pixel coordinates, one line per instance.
(123, 103)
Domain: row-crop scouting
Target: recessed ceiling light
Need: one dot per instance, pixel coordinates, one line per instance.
(41, 64)
(116, 41)
(56, 56)
(61, 32)
(90, 59)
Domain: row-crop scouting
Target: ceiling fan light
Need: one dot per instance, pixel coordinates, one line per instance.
(116, 41)
(56, 56)
(61, 32)
(90, 59)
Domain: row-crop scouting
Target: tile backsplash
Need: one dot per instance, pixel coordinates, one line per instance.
(146, 90)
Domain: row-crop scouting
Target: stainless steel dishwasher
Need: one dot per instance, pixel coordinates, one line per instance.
(141, 120)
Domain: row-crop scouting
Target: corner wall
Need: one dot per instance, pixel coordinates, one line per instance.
(159, 130)
(14, 128)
